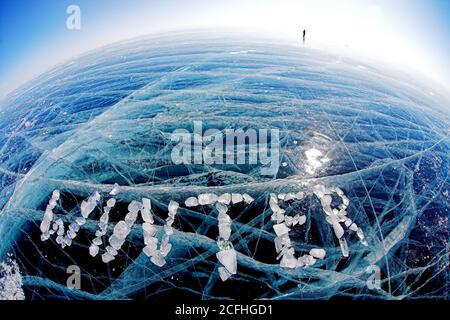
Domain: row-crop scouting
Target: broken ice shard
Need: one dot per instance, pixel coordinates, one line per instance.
(228, 259)
(281, 229)
(134, 206)
(150, 250)
(111, 202)
(116, 242)
(93, 250)
(308, 260)
(221, 208)
(173, 206)
(158, 259)
(115, 190)
(107, 257)
(288, 261)
(344, 247)
(224, 273)
(191, 202)
(236, 198)
(247, 198)
(145, 211)
(86, 207)
(121, 230)
(48, 215)
(317, 253)
(224, 198)
(207, 198)
(149, 229)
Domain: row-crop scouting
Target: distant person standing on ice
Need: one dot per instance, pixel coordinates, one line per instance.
(304, 35)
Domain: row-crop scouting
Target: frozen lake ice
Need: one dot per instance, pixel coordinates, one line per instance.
(103, 121)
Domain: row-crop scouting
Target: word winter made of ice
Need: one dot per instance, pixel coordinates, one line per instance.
(157, 238)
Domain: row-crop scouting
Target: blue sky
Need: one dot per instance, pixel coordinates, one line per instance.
(416, 33)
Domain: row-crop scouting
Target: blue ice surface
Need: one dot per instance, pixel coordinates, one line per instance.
(106, 118)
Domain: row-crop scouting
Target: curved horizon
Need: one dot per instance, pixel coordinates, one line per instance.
(416, 32)
(395, 72)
